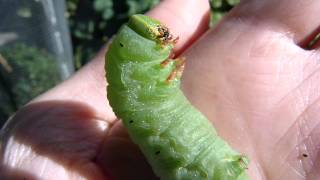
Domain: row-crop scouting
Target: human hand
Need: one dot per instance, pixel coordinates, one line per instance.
(247, 75)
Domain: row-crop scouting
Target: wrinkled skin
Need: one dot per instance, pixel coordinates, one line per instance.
(250, 75)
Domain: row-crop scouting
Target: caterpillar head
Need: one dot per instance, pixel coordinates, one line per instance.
(151, 29)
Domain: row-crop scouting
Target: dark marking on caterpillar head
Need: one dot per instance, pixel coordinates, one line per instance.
(121, 45)
(131, 121)
(163, 32)
(164, 35)
(157, 153)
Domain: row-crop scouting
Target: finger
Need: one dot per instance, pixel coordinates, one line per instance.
(89, 84)
(186, 19)
(298, 19)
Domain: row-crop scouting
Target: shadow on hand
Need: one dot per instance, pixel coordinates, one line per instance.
(68, 134)
(122, 158)
(7, 173)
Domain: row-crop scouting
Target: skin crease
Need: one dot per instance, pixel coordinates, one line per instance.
(248, 75)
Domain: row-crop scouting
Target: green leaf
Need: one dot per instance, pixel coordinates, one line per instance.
(139, 6)
(233, 2)
(219, 8)
(104, 7)
(215, 18)
(216, 3)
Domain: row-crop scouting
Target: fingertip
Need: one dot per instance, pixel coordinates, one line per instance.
(186, 19)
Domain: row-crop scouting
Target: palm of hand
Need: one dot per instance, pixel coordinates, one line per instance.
(263, 97)
(258, 87)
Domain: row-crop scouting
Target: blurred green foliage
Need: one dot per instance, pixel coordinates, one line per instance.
(92, 23)
(219, 8)
(25, 72)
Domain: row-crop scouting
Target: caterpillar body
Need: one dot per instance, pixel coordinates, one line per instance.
(144, 91)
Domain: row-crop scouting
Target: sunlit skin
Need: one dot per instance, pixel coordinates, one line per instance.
(250, 75)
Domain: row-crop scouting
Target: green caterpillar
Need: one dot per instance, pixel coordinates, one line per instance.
(144, 91)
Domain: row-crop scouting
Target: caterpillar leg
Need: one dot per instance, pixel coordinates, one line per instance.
(178, 70)
(166, 62)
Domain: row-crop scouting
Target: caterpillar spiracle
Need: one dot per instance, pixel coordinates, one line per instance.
(144, 91)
